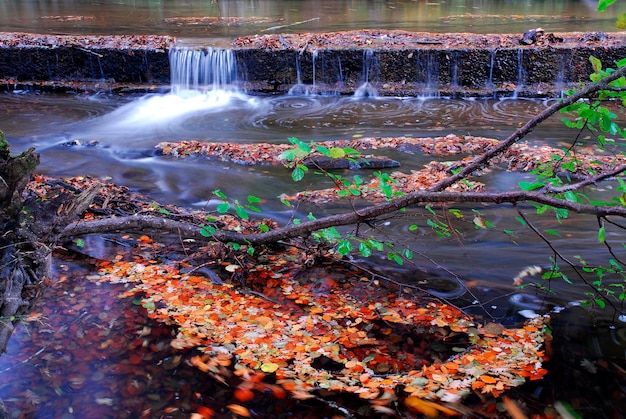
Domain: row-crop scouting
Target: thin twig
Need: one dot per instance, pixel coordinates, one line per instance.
(273, 28)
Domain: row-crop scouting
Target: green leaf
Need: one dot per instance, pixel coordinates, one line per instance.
(528, 186)
(457, 213)
(600, 302)
(223, 207)
(413, 227)
(298, 174)
(337, 153)
(596, 64)
(264, 228)
(571, 196)
(79, 242)
(242, 213)
(408, 254)
(344, 248)
(219, 194)
(324, 150)
(254, 199)
(553, 232)
(394, 256)
(207, 231)
(376, 244)
(603, 4)
(343, 193)
(365, 249)
(601, 234)
(288, 155)
(300, 144)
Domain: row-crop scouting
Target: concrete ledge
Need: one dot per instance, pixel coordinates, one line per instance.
(392, 62)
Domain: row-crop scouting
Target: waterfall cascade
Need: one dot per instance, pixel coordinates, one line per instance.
(202, 69)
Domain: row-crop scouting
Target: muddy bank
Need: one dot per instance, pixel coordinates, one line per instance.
(390, 62)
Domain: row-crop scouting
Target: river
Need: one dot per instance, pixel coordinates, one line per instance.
(61, 364)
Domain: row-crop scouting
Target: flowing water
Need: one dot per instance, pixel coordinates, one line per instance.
(104, 135)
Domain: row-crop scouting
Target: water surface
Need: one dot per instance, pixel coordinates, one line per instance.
(238, 17)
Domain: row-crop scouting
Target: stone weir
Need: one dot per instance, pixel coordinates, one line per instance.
(366, 62)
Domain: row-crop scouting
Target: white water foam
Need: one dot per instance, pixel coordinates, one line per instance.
(203, 84)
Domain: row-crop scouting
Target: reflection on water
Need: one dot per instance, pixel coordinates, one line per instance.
(229, 18)
(85, 353)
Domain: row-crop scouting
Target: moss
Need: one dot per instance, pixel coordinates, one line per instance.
(5, 149)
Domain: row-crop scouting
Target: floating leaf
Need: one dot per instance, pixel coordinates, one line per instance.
(269, 367)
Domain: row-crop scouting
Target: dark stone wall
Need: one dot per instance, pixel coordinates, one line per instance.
(77, 64)
(534, 70)
(527, 71)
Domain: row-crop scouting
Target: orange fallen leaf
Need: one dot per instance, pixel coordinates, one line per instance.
(488, 379)
(239, 410)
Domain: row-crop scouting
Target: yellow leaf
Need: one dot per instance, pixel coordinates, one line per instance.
(269, 367)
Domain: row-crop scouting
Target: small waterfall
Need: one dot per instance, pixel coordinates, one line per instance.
(427, 63)
(564, 64)
(340, 78)
(314, 59)
(521, 73)
(492, 63)
(202, 69)
(370, 64)
(454, 69)
(302, 89)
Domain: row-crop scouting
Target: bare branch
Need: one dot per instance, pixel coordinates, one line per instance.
(140, 222)
(586, 182)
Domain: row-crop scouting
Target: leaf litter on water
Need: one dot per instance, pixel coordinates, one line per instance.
(303, 337)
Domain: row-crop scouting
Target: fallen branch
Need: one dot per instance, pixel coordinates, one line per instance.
(190, 230)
